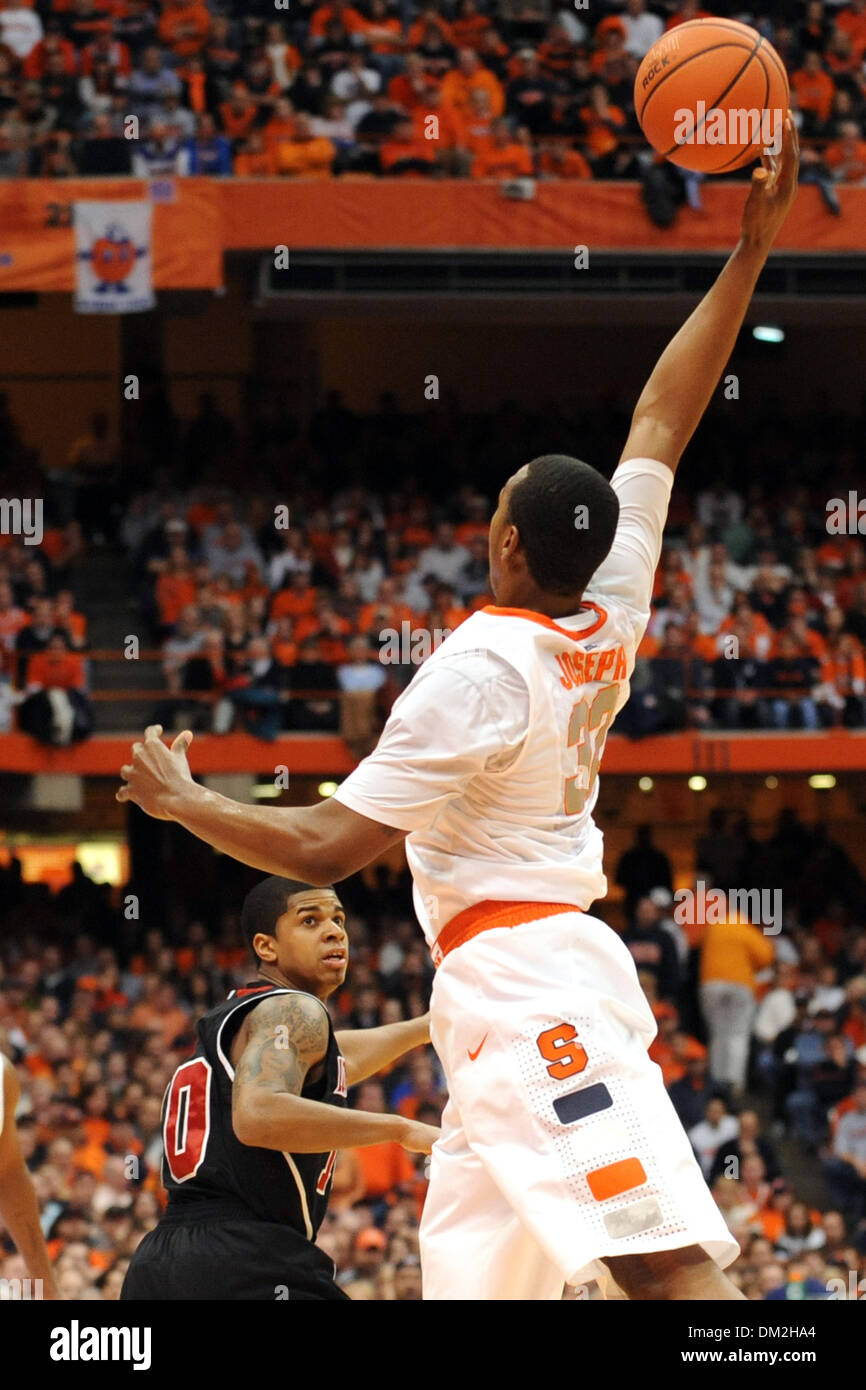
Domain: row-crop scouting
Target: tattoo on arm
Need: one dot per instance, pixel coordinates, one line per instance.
(288, 1035)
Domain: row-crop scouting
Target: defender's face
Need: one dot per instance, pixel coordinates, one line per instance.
(310, 942)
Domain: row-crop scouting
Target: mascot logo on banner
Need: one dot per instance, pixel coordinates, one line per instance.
(113, 258)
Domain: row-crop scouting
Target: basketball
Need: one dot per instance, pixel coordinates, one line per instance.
(711, 95)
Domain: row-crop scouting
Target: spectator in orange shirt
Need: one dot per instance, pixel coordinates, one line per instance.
(283, 645)
(688, 10)
(383, 32)
(469, 25)
(405, 154)
(605, 124)
(429, 18)
(840, 56)
(852, 22)
(184, 26)
(846, 157)
(478, 134)
(411, 87)
(815, 89)
(806, 640)
(33, 66)
(505, 158)
(469, 73)
(351, 19)
(238, 114)
(175, 588)
(731, 955)
(843, 673)
(384, 1167)
(444, 129)
(106, 50)
(254, 160)
(386, 611)
(280, 127)
(297, 600)
(558, 52)
(56, 709)
(306, 155)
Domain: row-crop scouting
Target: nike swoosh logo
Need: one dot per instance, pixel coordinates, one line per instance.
(473, 1055)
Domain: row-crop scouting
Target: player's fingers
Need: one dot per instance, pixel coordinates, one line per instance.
(152, 733)
(182, 742)
(122, 794)
(126, 771)
(137, 748)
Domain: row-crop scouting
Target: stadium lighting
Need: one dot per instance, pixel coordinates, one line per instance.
(771, 783)
(266, 791)
(768, 333)
(327, 788)
(645, 784)
(697, 784)
(822, 781)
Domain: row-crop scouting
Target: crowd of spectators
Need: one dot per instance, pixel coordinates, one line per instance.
(307, 606)
(381, 87)
(98, 1006)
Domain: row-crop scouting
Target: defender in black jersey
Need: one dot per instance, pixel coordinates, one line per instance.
(251, 1123)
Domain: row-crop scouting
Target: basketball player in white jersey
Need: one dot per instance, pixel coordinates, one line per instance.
(561, 1158)
(18, 1208)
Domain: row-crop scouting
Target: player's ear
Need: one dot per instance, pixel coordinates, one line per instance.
(265, 946)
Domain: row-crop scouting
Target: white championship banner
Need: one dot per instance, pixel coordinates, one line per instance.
(113, 257)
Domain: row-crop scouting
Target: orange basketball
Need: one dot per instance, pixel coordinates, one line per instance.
(711, 95)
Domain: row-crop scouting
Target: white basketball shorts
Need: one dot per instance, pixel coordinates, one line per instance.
(560, 1146)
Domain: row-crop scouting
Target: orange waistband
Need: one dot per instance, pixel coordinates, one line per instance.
(485, 915)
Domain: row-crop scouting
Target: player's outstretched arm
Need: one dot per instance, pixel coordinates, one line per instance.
(18, 1205)
(368, 1050)
(677, 394)
(317, 844)
(287, 1036)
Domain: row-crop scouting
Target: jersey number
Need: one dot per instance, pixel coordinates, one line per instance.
(587, 729)
(559, 1047)
(187, 1119)
(325, 1175)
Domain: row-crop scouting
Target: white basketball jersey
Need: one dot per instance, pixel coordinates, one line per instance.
(490, 756)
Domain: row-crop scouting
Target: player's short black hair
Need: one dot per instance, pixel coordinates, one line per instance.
(265, 904)
(563, 547)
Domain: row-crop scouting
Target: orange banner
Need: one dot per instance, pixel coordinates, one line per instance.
(196, 220)
(602, 216)
(836, 750)
(37, 245)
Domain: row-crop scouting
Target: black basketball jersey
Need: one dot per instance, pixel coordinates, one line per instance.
(202, 1156)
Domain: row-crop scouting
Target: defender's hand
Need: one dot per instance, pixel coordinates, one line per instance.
(419, 1138)
(157, 775)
